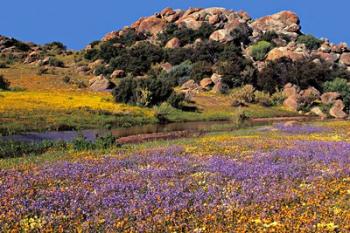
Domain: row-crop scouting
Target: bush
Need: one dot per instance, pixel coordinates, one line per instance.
(260, 49)
(17, 149)
(310, 41)
(4, 83)
(269, 36)
(303, 73)
(162, 112)
(262, 98)
(184, 34)
(80, 143)
(137, 59)
(278, 98)
(236, 72)
(3, 65)
(66, 79)
(242, 95)
(179, 55)
(18, 44)
(176, 100)
(200, 70)
(179, 74)
(142, 91)
(241, 34)
(342, 87)
(54, 62)
(55, 46)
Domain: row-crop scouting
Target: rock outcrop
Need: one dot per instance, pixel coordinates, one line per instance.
(337, 111)
(100, 83)
(329, 97)
(285, 22)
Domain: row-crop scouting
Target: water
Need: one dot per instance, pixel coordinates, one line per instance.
(119, 132)
(67, 136)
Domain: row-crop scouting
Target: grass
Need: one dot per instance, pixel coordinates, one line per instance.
(49, 103)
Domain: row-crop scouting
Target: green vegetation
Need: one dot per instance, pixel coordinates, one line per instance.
(13, 149)
(4, 83)
(184, 34)
(310, 41)
(342, 87)
(303, 73)
(260, 49)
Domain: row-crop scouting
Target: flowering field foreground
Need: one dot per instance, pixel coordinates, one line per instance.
(278, 181)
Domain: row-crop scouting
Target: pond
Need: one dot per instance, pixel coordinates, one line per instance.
(201, 126)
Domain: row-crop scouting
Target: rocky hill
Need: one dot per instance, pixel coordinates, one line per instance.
(198, 50)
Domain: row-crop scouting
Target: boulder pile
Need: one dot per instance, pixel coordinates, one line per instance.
(296, 98)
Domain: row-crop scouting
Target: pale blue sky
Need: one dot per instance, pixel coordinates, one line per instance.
(78, 22)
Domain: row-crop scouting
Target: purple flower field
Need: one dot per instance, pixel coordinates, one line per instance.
(170, 190)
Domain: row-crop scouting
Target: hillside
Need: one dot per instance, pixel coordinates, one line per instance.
(204, 62)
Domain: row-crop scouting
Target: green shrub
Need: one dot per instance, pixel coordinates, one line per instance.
(13, 149)
(342, 87)
(243, 95)
(4, 83)
(184, 34)
(200, 70)
(269, 36)
(176, 100)
(262, 98)
(260, 49)
(54, 62)
(137, 59)
(80, 143)
(55, 46)
(142, 91)
(236, 72)
(18, 44)
(3, 65)
(278, 98)
(179, 74)
(178, 55)
(310, 41)
(66, 79)
(162, 112)
(303, 73)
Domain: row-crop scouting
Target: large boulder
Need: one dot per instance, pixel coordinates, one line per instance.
(110, 36)
(337, 110)
(220, 87)
(285, 22)
(292, 103)
(329, 97)
(317, 111)
(118, 74)
(32, 57)
(173, 43)
(310, 95)
(95, 64)
(290, 90)
(222, 35)
(328, 57)
(190, 85)
(206, 83)
(190, 22)
(83, 70)
(345, 59)
(153, 25)
(100, 83)
(216, 78)
(280, 52)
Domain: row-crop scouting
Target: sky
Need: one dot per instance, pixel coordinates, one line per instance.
(79, 22)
